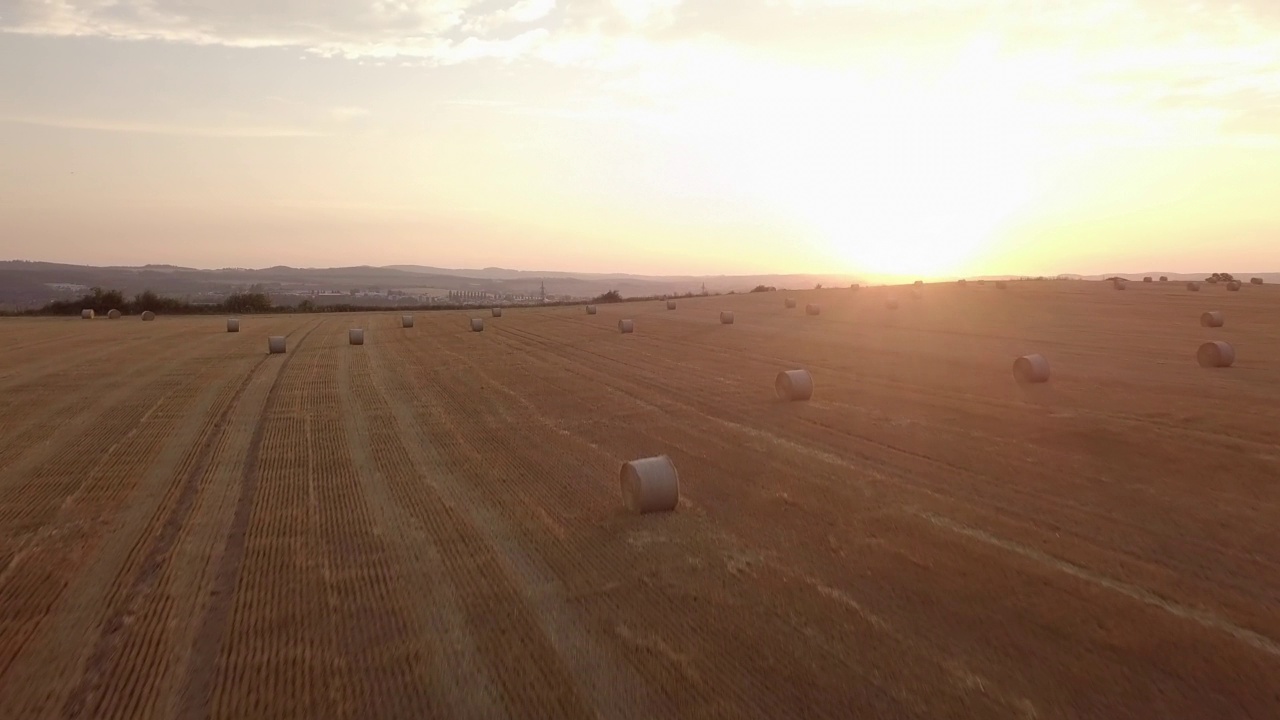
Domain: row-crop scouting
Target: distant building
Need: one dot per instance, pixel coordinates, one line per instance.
(462, 295)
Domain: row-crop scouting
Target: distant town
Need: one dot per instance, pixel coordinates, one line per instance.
(372, 296)
(27, 285)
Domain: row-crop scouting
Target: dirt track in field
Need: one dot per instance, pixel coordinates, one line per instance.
(430, 525)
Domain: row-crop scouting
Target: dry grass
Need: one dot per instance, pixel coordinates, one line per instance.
(431, 526)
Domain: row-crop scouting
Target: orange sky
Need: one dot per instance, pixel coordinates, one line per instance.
(885, 137)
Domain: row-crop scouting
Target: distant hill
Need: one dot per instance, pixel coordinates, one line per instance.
(26, 283)
(725, 282)
(1268, 277)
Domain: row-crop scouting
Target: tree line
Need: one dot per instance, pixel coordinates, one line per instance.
(102, 301)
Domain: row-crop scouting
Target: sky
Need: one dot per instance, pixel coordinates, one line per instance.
(887, 138)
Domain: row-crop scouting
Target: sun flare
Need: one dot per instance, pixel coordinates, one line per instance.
(892, 175)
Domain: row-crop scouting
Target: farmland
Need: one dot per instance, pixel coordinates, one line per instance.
(429, 525)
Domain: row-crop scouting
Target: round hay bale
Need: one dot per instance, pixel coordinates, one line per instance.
(1031, 369)
(671, 304)
(1216, 354)
(650, 485)
(1147, 279)
(626, 326)
(1193, 287)
(856, 286)
(919, 283)
(794, 385)
(233, 325)
(591, 309)
(86, 314)
(982, 282)
(355, 336)
(1002, 285)
(1213, 318)
(406, 321)
(789, 303)
(1255, 281)
(497, 312)
(113, 314)
(812, 309)
(1120, 284)
(1211, 280)
(726, 317)
(477, 324)
(961, 282)
(148, 316)
(275, 344)
(1164, 278)
(891, 304)
(1234, 286)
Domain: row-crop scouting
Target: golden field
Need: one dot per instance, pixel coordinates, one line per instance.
(430, 525)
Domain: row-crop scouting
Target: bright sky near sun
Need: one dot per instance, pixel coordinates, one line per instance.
(889, 137)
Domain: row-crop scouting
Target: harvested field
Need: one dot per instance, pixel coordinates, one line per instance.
(430, 526)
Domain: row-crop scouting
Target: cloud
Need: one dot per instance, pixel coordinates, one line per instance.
(347, 113)
(525, 11)
(647, 13)
(428, 30)
(658, 51)
(161, 129)
(466, 102)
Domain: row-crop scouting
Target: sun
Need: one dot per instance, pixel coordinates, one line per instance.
(894, 176)
(915, 228)
(916, 194)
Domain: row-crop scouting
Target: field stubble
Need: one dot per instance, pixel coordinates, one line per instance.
(429, 525)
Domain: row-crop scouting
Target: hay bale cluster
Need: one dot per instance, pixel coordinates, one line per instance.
(651, 484)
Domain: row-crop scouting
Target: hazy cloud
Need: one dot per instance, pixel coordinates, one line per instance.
(161, 128)
(422, 29)
(347, 113)
(1156, 53)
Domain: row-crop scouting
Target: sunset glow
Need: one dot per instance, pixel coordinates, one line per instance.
(891, 139)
